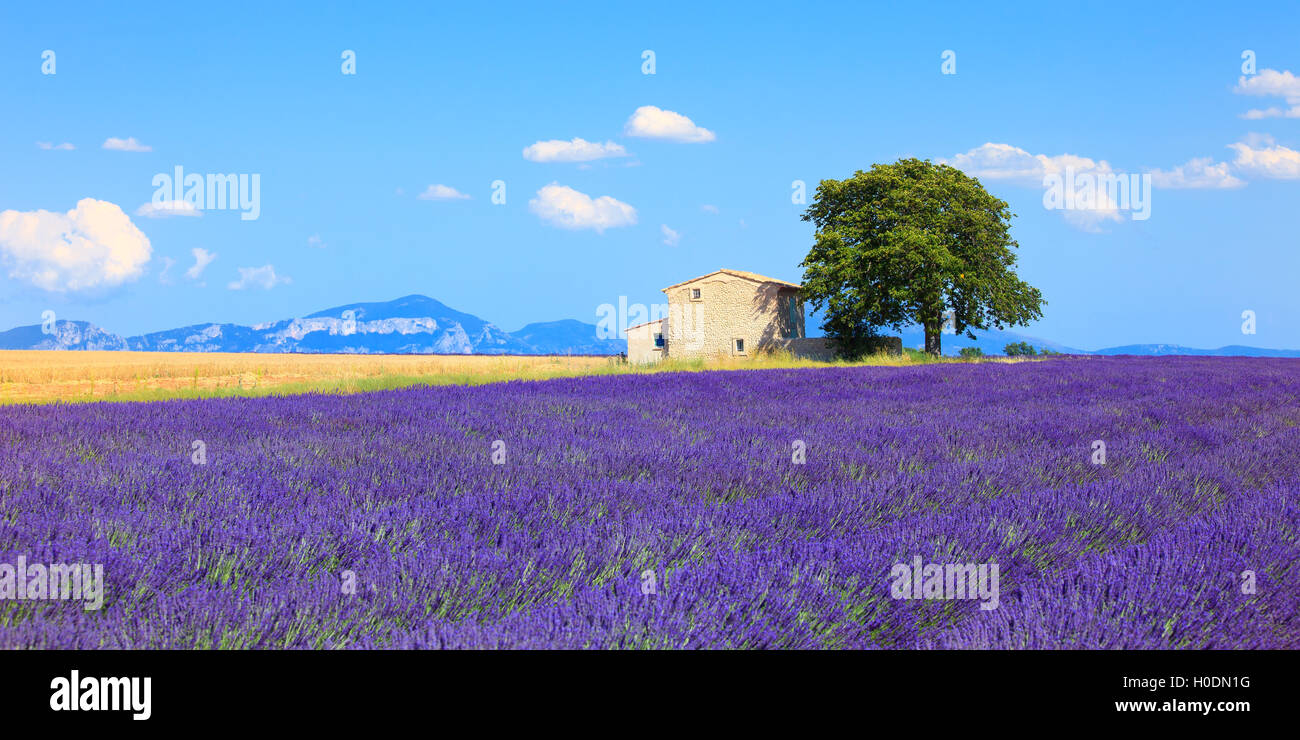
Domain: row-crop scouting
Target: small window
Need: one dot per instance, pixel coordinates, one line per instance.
(695, 294)
(740, 346)
(659, 341)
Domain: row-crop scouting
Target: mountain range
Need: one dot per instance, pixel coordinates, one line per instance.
(413, 324)
(417, 324)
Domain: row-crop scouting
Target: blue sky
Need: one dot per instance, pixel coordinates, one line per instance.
(451, 96)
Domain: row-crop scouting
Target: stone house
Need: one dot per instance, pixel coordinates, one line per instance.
(726, 313)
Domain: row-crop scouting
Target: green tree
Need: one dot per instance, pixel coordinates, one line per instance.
(971, 352)
(1020, 349)
(912, 243)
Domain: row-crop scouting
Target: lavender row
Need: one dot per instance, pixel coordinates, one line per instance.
(755, 509)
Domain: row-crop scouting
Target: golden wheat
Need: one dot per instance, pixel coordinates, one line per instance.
(34, 375)
(37, 376)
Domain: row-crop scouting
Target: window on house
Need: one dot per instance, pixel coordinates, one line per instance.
(695, 294)
(659, 341)
(740, 346)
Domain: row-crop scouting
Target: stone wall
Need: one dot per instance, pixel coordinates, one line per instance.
(810, 348)
(823, 349)
(641, 349)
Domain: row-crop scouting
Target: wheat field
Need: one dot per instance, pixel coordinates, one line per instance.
(37, 375)
(41, 376)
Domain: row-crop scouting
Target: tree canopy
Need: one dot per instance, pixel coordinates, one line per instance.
(913, 243)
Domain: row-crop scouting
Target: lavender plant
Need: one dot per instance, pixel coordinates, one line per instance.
(534, 514)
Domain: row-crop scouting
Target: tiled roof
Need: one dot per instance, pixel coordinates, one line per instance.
(738, 273)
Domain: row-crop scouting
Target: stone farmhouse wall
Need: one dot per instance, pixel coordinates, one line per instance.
(641, 347)
(731, 307)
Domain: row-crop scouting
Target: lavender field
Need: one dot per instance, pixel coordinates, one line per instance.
(383, 520)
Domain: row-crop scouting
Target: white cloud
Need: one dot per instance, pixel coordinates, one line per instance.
(49, 145)
(93, 245)
(670, 237)
(569, 209)
(707, 208)
(1005, 162)
(202, 258)
(258, 277)
(442, 192)
(1259, 155)
(128, 144)
(168, 209)
(1200, 172)
(1009, 163)
(654, 123)
(577, 150)
(1271, 112)
(314, 241)
(1271, 83)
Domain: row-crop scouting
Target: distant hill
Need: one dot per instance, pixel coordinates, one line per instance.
(417, 324)
(1233, 350)
(65, 335)
(568, 337)
(990, 342)
(197, 338)
(412, 324)
(993, 341)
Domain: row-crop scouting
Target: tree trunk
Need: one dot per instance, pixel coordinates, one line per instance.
(933, 337)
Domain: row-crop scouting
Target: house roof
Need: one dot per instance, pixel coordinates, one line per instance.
(738, 273)
(647, 323)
